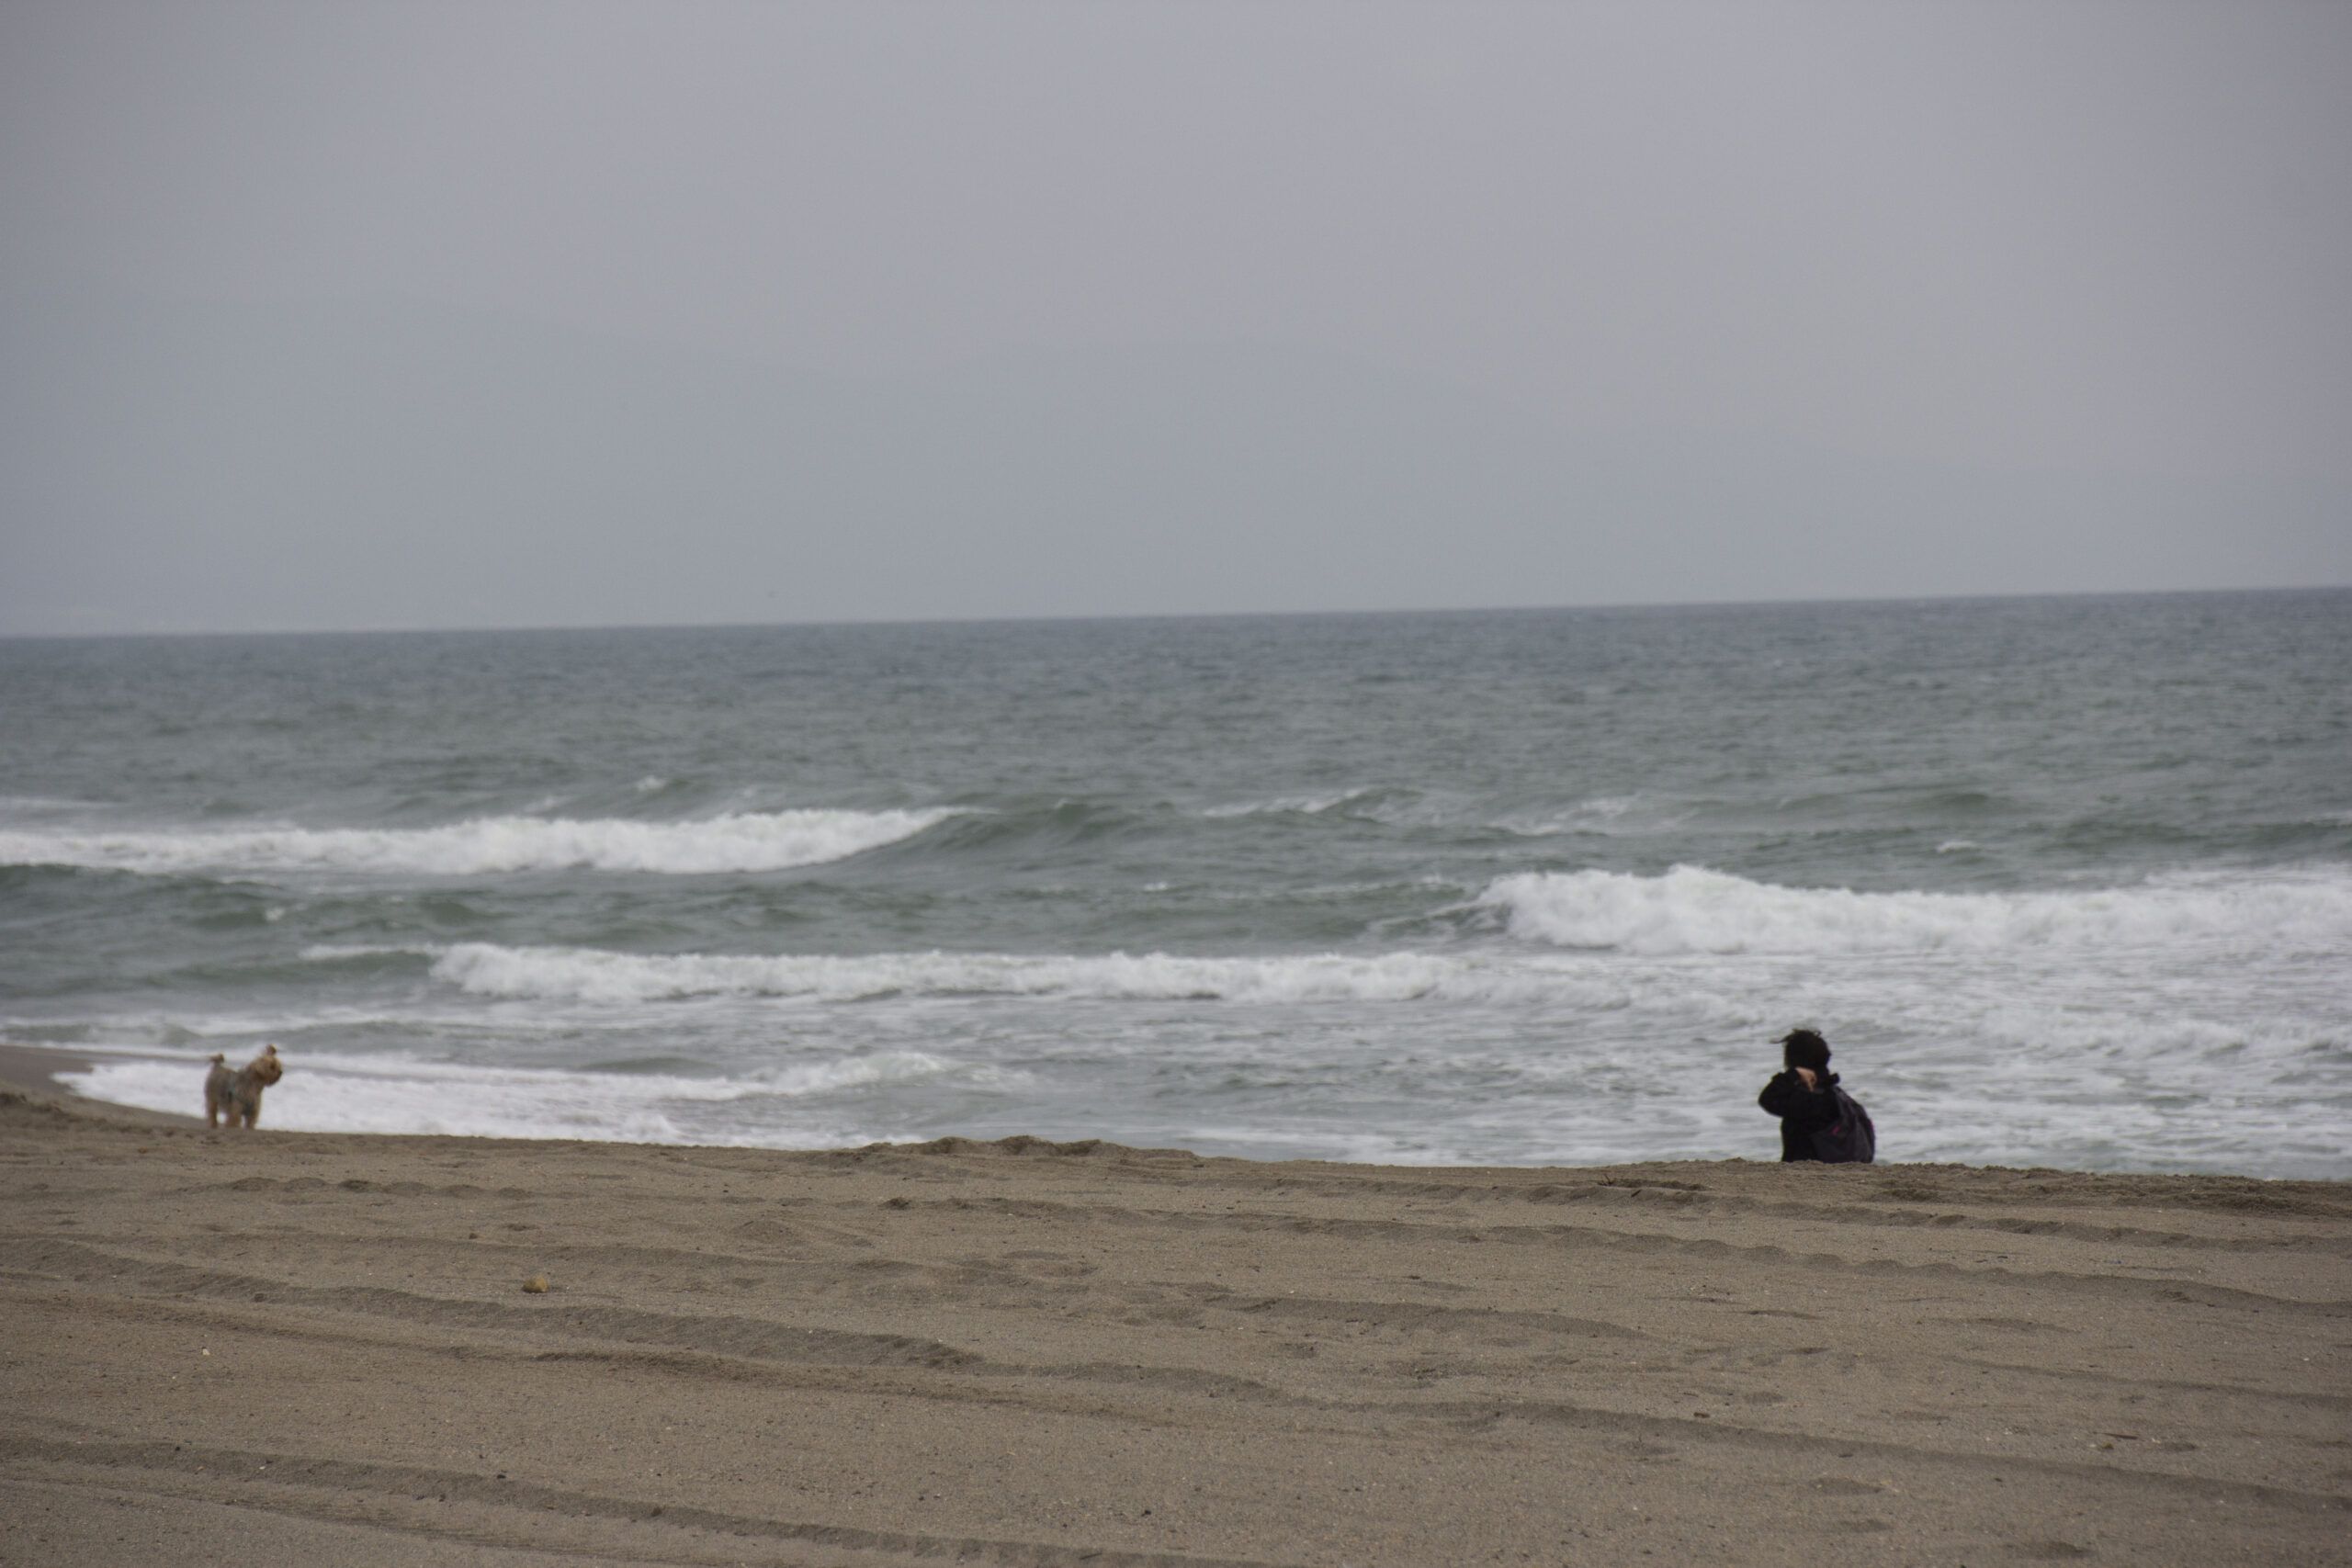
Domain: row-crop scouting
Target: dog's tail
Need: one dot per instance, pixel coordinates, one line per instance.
(219, 1058)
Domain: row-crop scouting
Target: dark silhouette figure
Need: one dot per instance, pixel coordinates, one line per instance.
(1818, 1119)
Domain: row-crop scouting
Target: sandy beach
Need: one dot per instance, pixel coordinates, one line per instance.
(288, 1348)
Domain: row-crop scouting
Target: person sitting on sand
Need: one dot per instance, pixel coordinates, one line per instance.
(1816, 1120)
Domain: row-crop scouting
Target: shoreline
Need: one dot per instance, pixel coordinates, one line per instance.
(272, 1345)
(37, 1066)
(36, 1069)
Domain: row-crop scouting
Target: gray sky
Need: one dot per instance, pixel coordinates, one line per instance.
(324, 315)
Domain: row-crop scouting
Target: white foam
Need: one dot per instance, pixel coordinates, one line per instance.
(594, 976)
(1692, 910)
(46, 804)
(160, 1032)
(837, 1073)
(750, 842)
(336, 951)
(1602, 815)
(1302, 805)
(390, 1094)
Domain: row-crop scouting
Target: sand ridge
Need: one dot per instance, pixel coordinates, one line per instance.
(298, 1345)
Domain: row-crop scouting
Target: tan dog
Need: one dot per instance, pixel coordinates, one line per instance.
(237, 1095)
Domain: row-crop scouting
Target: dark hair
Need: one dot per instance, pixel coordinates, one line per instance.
(1804, 1048)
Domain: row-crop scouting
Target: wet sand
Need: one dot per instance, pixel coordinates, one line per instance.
(298, 1348)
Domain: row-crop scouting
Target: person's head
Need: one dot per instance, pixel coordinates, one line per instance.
(1806, 1048)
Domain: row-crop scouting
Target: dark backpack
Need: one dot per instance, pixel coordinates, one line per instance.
(1851, 1139)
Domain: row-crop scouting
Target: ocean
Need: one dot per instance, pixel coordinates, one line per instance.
(2065, 881)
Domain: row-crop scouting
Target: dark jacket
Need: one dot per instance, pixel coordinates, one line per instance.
(1801, 1110)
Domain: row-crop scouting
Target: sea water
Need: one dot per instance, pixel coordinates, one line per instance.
(2064, 881)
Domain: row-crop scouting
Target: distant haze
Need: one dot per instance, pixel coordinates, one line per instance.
(318, 315)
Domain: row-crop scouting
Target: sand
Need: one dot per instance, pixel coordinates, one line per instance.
(280, 1348)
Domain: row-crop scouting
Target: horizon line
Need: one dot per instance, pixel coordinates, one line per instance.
(1081, 618)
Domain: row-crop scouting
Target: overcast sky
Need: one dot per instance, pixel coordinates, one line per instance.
(349, 315)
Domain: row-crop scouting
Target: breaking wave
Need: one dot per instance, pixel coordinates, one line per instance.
(1692, 910)
(750, 842)
(594, 976)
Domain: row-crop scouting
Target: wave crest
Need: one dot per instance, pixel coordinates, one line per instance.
(748, 841)
(1693, 911)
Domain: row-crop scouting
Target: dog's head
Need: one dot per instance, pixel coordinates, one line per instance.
(219, 1058)
(266, 1068)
